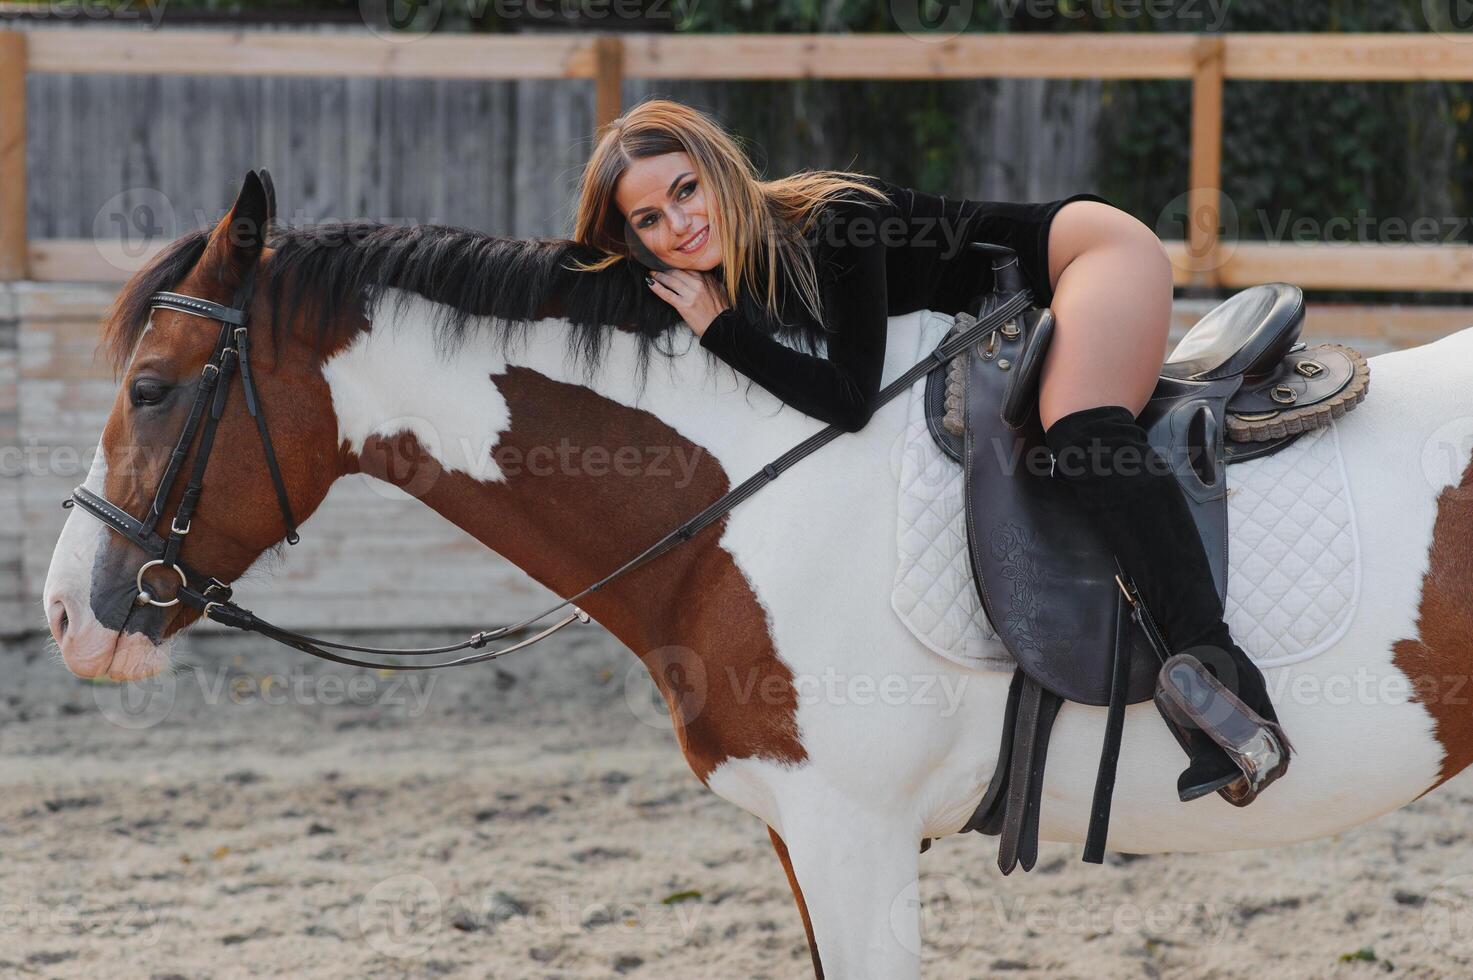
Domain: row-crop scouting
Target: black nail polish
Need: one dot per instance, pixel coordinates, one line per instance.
(649, 280)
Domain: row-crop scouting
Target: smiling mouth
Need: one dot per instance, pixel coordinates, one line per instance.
(696, 241)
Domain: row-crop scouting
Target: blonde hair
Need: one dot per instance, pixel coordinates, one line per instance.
(761, 223)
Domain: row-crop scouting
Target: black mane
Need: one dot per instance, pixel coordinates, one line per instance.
(330, 275)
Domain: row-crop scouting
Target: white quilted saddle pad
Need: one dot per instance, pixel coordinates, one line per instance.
(1293, 560)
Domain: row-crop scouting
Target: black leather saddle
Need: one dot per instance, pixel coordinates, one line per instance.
(1045, 577)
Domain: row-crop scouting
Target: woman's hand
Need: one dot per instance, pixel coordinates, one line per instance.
(696, 296)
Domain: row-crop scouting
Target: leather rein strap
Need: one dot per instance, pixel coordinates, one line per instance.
(214, 599)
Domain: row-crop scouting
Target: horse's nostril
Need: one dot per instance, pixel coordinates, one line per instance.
(58, 619)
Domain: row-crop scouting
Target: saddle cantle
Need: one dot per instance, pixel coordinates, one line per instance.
(1046, 579)
(1287, 389)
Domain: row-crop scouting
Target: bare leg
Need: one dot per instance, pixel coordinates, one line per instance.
(1112, 301)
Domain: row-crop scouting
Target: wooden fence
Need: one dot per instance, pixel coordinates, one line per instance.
(1204, 258)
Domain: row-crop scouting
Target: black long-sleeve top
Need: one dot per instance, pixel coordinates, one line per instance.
(875, 260)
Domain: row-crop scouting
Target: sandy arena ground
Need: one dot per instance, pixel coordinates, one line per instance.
(257, 815)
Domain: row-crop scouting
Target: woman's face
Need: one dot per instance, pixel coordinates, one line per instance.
(664, 203)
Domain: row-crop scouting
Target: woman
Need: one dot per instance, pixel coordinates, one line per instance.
(826, 258)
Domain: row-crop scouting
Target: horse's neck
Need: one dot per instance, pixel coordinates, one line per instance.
(565, 477)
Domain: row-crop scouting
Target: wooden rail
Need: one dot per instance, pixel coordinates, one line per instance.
(13, 249)
(1208, 61)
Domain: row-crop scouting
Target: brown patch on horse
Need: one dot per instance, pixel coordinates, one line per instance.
(787, 860)
(589, 484)
(1439, 661)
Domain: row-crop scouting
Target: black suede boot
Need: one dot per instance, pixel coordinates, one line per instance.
(1142, 512)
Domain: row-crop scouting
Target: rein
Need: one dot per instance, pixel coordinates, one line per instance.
(214, 599)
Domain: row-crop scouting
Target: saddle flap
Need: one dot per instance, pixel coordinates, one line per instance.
(1045, 576)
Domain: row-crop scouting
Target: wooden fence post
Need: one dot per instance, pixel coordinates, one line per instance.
(13, 247)
(608, 79)
(1204, 213)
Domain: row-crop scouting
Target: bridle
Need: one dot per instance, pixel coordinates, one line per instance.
(232, 348)
(213, 598)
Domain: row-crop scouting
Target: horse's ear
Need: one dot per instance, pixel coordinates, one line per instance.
(236, 241)
(270, 186)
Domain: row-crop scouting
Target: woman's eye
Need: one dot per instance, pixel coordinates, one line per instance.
(148, 391)
(647, 220)
(688, 190)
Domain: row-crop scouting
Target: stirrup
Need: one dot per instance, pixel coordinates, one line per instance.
(1189, 693)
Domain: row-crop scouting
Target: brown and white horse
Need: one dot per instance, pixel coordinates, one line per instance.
(795, 691)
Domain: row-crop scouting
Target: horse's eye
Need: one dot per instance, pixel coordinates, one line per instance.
(149, 391)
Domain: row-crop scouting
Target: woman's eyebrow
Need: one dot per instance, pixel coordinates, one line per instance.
(668, 191)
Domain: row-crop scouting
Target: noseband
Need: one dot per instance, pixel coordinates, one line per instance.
(212, 597)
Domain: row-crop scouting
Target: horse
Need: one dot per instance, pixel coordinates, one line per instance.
(448, 363)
